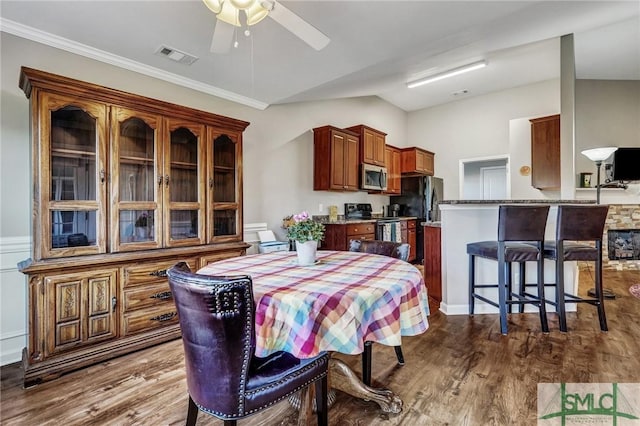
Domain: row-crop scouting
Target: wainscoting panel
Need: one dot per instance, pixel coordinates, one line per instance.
(13, 298)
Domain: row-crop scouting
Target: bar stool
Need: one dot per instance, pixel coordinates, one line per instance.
(581, 227)
(520, 239)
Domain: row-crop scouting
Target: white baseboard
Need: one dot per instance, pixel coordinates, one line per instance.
(482, 308)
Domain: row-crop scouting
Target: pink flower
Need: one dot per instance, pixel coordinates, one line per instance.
(301, 217)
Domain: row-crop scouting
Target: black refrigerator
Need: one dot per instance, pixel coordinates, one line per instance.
(421, 196)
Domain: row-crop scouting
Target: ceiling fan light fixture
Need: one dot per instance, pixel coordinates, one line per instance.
(449, 73)
(256, 13)
(214, 5)
(229, 14)
(242, 4)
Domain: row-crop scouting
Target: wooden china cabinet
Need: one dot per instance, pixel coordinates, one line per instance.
(123, 188)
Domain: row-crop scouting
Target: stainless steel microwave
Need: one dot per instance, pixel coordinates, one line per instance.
(374, 178)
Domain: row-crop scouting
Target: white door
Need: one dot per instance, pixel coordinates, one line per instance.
(493, 183)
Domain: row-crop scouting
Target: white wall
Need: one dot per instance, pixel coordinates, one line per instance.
(480, 127)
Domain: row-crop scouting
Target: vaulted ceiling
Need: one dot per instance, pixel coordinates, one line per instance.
(375, 47)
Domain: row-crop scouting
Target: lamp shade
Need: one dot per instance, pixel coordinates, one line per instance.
(256, 13)
(599, 154)
(229, 14)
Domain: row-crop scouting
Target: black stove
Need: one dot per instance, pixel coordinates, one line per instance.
(357, 211)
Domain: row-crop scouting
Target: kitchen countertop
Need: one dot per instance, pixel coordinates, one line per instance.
(342, 221)
(432, 224)
(452, 202)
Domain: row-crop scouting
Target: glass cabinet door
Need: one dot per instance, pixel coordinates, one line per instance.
(136, 182)
(184, 183)
(74, 179)
(225, 187)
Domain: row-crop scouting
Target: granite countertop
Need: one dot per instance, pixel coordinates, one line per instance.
(342, 221)
(432, 224)
(457, 202)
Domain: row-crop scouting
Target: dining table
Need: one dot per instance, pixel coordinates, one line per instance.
(336, 304)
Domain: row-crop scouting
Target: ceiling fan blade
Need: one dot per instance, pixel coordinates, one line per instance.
(222, 37)
(298, 26)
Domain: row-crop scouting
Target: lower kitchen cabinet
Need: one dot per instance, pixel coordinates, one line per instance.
(81, 314)
(338, 236)
(433, 262)
(408, 229)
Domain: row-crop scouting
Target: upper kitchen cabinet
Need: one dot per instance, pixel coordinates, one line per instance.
(417, 161)
(335, 159)
(372, 145)
(394, 167)
(545, 152)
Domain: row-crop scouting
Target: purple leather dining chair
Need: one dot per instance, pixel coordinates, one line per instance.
(224, 377)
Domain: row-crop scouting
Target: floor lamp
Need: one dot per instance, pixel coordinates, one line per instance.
(598, 155)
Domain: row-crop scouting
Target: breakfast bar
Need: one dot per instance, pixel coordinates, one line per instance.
(466, 221)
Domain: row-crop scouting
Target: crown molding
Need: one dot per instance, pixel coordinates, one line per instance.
(33, 34)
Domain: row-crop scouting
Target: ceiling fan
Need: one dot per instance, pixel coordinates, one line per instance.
(228, 18)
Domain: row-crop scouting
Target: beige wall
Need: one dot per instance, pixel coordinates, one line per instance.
(607, 114)
(480, 127)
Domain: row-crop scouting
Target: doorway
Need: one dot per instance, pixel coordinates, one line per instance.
(485, 178)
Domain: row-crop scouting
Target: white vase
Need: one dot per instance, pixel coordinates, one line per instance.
(306, 252)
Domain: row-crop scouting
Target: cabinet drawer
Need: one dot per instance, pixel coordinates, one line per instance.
(144, 297)
(151, 272)
(148, 319)
(360, 228)
(361, 237)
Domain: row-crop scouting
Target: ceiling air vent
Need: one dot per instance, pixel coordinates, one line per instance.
(176, 55)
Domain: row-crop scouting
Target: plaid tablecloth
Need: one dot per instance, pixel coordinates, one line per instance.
(345, 299)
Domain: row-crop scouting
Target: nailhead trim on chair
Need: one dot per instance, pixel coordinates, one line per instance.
(244, 414)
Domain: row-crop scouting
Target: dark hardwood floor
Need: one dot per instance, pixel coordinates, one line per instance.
(462, 371)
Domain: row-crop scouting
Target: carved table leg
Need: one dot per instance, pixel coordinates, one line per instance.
(341, 377)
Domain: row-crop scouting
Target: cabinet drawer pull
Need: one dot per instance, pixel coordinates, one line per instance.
(114, 302)
(160, 273)
(103, 176)
(162, 295)
(166, 180)
(165, 317)
(160, 180)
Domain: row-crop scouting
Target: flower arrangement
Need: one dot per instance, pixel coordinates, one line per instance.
(143, 220)
(301, 227)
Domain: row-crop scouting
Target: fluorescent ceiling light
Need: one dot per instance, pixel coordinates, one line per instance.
(445, 74)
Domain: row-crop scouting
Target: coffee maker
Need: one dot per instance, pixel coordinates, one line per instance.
(393, 210)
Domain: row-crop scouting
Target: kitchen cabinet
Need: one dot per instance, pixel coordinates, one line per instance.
(335, 159)
(338, 236)
(545, 152)
(124, 187)
(394, 166)
(408, 231)
(433, 262)
(417, 161)
(372, 145)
